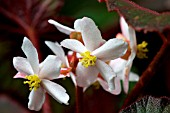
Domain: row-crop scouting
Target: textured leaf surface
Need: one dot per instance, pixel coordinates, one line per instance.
(149, 104)
(139, 17)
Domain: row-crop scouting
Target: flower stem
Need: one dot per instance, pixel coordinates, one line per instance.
(79, 99)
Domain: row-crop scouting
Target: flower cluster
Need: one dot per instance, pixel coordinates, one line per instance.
(91, 59)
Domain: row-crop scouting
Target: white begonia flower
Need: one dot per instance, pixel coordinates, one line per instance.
(59, 52)
(120, 66)
(95, 53)
(39, 75)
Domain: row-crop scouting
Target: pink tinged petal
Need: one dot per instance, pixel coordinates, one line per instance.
(107, 73)
(57, 50)
(90, 33)
(62, 76)
(22, 65)
(50, 69)
(126, 78)
(19, 75)
(31, 53)
(126, 84)
(86, 76)
(133, 77)
(105, 86)
(56, 91)
(74, 45)
(36, 99)
(61, 28)
(112, 49)
(124, 28)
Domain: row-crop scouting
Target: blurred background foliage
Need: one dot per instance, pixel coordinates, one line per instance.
(14, 94)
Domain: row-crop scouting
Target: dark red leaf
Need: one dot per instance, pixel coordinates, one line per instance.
(140, 18)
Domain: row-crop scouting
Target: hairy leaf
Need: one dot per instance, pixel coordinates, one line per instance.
(149, 104)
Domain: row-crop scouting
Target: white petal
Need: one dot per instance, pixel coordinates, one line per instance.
(132, 39)
(36, 99)
(73, 78)
(105, 86)
(133, 45)
(67, 62)
(74, 45)
(121, 74)
(86, 76)
(113, 48)
(31, 53)
(130, 59)
(56, 91)
(90, 33)
(57, 50)
(107, 73)
(130, 34)
(50, 68)
(117, 64)
(133, 77)
(60, 27)
(124, 28)
(22, 65)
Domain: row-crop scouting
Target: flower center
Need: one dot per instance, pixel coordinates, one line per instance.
(87, 59)
(76, 35)
(33, 82)
(142, 50)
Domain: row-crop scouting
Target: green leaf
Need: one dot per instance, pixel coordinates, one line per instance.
(140, 18)
(95, 10)
(149, 104)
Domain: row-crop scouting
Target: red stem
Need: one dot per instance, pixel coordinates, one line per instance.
(40, 12)
(79, 99)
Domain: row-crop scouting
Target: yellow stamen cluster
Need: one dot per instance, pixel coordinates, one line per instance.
(33, 82)
(142, 50)
(87, 59)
